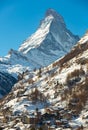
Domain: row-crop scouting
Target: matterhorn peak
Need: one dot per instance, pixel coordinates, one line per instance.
(51, 16)
(51, 41)
(51, 12)
(55, 15)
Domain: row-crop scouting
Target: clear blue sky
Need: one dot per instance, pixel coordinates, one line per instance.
(20, 18)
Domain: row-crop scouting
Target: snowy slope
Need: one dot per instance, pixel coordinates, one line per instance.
(52, 88)
(16, 62)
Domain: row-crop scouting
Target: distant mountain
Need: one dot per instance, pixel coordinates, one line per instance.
(60, 88)
(51, 41)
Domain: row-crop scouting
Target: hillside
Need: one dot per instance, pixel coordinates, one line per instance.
(56, 94)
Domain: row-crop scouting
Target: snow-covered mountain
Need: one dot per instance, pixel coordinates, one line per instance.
(16, 62)
(61, 87)
(51, 40)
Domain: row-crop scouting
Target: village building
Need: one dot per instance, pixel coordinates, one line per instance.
(27, 119)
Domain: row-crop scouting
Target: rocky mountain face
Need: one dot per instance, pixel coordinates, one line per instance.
(60, 89)
(6, 83)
